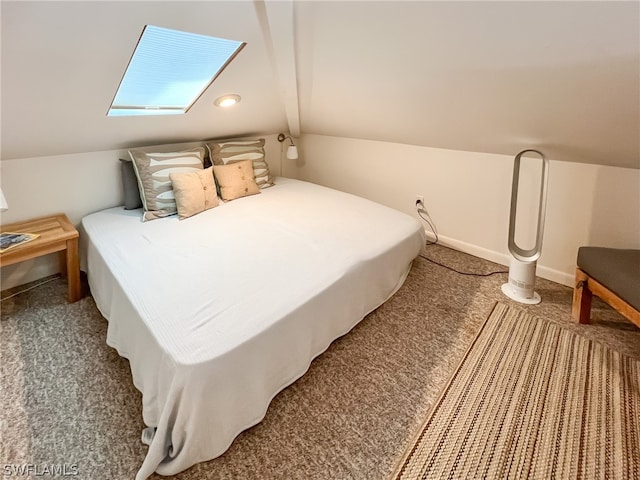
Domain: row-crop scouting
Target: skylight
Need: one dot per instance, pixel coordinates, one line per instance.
(169, 70)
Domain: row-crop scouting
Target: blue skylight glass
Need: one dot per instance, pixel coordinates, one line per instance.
(169, 70)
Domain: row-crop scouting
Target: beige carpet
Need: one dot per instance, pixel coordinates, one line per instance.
(532, 399)
(67, 398)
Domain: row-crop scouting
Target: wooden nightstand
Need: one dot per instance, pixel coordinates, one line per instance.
(57, 234)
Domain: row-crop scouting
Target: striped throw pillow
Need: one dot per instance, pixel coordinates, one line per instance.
(226, 152)
(153, 170)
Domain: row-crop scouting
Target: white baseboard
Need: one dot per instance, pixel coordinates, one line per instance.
(542, 271)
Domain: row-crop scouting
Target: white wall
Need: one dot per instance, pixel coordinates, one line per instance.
(75, 184)
(468, 195)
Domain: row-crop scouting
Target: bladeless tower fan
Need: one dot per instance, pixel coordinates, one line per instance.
(522, 269)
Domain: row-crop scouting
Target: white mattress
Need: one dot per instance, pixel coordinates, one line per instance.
(219, 312)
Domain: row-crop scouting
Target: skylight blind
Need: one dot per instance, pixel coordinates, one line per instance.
(169, 70)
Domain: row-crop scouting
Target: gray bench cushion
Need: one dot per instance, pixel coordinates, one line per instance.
(616, 269)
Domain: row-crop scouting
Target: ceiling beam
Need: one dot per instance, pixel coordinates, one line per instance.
(277, 22)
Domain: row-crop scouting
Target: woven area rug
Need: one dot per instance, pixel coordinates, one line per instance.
(532, 400)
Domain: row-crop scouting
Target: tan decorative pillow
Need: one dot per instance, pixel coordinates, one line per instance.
(195, 191)
(226, 152)
(236, 180)
(153, 170)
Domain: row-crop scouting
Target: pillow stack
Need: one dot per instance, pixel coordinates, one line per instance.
(177, 182)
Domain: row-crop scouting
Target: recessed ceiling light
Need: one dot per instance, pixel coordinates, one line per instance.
(227, 100)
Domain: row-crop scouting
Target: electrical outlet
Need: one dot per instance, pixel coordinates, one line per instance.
(419, 201)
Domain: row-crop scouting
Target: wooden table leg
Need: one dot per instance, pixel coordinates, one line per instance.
(581, 307)
(62, 262)
(73, 271)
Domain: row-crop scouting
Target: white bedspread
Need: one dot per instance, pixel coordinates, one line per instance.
(219, 312)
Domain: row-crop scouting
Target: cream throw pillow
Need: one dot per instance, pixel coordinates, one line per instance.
(195, 192)
(236, 180)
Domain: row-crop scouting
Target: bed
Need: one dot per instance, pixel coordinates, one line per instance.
(219, 312)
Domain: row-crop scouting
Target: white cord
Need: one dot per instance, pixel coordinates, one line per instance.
(422, 209)
(27, 289)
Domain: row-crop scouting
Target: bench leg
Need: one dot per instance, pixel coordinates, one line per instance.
(582, 296)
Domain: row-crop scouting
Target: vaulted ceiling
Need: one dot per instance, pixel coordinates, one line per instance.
(480, 76)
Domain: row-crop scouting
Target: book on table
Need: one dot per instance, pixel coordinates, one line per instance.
(10, 240)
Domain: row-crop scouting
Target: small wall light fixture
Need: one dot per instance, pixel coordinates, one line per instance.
(227, 100)
(292, 150)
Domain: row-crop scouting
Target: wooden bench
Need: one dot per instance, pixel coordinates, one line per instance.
(611, 274)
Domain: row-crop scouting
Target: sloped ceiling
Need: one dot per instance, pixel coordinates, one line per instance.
(63, 61)
(481, 76)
